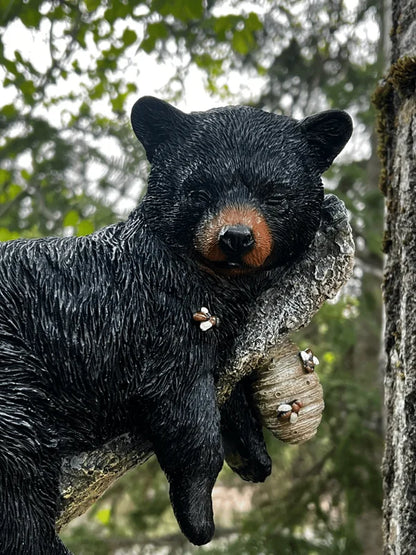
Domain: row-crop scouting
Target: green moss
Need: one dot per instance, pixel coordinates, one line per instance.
(400, 81)
(386, 243)
(403, 76)
(383, 98)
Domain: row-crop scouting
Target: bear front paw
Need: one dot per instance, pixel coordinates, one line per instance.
(192, 506)
(256, 469)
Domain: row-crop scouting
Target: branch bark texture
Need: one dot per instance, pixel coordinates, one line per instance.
(290, 305)
(396, 101)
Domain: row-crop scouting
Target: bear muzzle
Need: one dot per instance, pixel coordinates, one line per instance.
(235, 240)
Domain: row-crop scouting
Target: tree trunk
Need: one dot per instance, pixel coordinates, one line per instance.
(302, 289)
(396, 102)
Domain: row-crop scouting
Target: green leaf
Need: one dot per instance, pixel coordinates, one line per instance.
(253, 22)
(195, 8)
(118, 102)
(28, 89)
(4, 176)
(131, 87)
(240, 43)
(92, 4)
(117, 10)
(129, 37)
(6, 235)
(183, 11)
(11, 66)
(103, 516)
(13, 191)
(71, 218)
(224, 24)
(244, 39)
(155, 31)
(25, 174)
(84, 110)
(76, 68)
(81, 36)
(97, 91)
(85, 227)
(9, 110)
(30, 16)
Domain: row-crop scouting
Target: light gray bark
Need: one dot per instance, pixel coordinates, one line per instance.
(304, 287)
(396, 101)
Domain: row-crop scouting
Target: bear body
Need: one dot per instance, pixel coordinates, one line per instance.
(102, 335)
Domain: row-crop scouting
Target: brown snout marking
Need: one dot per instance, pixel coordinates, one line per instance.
(206, 241)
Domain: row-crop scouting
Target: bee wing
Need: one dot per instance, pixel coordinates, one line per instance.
(205, 325)
(284, 408)
(304, 356)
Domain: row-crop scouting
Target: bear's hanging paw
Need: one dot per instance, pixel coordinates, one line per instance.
(191, 455)
(192, 505)
(254, 468)
(244, 447)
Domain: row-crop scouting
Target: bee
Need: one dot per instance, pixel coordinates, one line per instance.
(205, 319)
(289, 411)
(309, 360)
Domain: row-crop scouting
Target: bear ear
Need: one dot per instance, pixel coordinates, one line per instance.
(327, 133)
(154, 121)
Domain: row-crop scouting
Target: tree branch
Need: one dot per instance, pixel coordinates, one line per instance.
(290, 305)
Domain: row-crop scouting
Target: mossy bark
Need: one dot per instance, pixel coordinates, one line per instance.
(303, 288)
(396, 102)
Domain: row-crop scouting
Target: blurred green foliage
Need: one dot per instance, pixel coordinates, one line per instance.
(69, 163)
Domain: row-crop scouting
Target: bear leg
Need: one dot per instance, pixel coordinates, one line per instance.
(186, 438)
(244, 447)
(28, 506)
(29, 465)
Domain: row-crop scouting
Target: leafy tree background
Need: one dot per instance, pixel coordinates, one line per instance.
(69, 163)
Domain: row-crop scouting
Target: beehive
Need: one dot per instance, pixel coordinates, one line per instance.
(284, 381)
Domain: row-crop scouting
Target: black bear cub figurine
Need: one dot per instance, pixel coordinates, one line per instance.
(125, 330)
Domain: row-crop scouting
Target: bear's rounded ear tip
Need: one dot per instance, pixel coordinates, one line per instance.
(327, 133)
(326, 120)
(346, 120)
(154, 121)
(145, 102)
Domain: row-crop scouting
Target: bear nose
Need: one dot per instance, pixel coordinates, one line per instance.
(235, 239)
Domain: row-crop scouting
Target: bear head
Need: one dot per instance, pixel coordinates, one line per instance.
(236, 189)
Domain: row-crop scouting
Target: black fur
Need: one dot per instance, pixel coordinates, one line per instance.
(96, 333)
